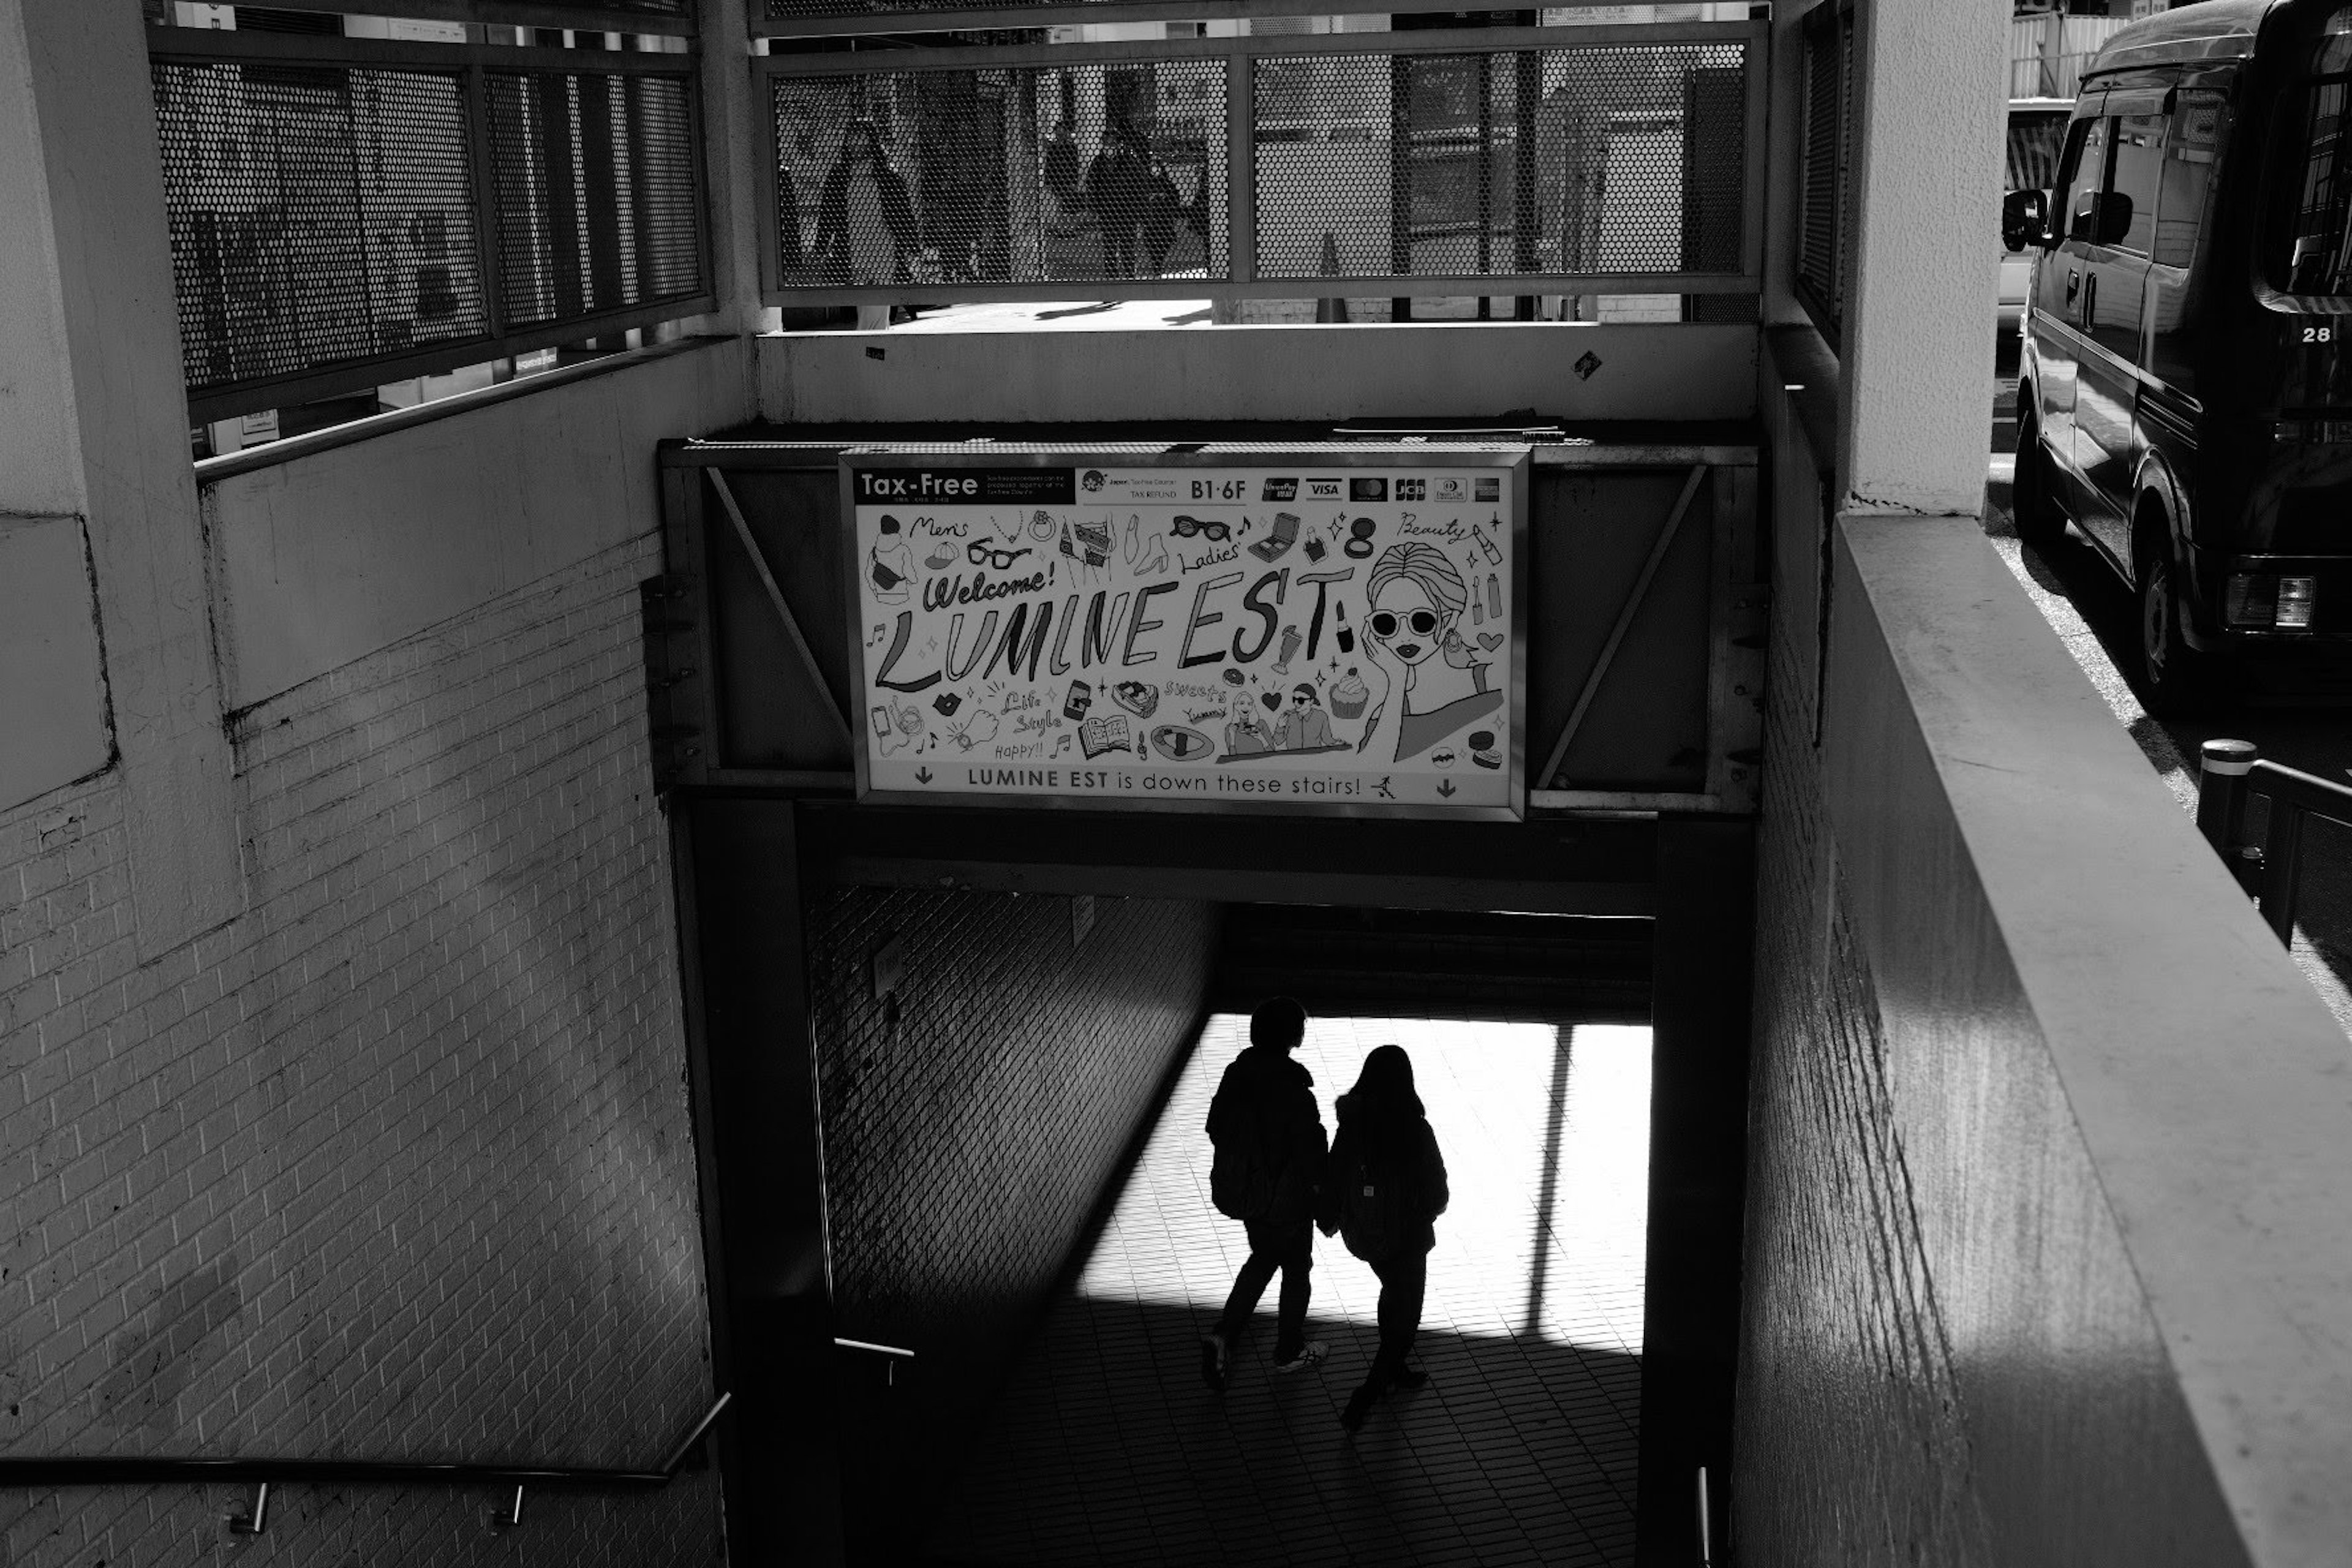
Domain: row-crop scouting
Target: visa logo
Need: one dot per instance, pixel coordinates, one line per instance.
(1325, 489)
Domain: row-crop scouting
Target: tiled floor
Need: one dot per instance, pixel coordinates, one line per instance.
(1107, 1448)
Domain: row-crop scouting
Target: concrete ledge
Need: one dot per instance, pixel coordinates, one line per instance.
(2126, 1120)
(1287, 374)
(343, 548)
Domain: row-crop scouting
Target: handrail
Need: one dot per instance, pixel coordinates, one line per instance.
(107, 1469)
(2229, 771)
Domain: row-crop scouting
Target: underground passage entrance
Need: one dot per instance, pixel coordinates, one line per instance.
(958, 960)
(1105, 1445)
(975, 1202)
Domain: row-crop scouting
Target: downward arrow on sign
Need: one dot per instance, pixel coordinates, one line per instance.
(1445, 787)
(922, 775)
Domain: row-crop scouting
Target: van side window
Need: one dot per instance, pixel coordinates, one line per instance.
(2139, 169)
(2088, 177)
(2316, 261)
(2192, 155)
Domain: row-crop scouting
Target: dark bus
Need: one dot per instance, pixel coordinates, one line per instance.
(2186, 383)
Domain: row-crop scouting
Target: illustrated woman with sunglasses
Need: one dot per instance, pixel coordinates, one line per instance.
(1417, 596)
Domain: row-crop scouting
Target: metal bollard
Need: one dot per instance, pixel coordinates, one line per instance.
(2222, 805)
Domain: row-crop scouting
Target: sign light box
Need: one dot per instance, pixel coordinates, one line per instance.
(1332, 630)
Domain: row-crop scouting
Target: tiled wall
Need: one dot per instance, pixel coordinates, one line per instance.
(396, 1164)
(971, 1122)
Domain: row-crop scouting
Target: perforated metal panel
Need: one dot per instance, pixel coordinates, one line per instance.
(1821, 235)
(318, 214)
(1612, 160)
(595, 181)
(1016, 175)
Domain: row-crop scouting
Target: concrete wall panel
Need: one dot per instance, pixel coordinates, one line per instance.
(2045, 1256)
(52, 682)
(1680, 372)
(328, 557)
(94, 425)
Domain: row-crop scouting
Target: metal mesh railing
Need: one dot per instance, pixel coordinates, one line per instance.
(595, 181)
(317, 216)
(1541, 162)
(344, 214)
(1825, 186)
(1400, 163)
(1016, 175)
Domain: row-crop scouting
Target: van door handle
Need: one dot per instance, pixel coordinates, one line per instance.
(2074, 284)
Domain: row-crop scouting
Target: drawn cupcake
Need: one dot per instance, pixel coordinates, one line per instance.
(1349, 695)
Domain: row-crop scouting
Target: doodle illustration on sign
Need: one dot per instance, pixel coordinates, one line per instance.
(1048, 634)
(891, 565)
(1246, 735)
(1417, 596)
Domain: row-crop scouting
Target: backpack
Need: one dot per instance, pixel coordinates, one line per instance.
(1242, 1179)
(1382, 1214)
(1246, 1177)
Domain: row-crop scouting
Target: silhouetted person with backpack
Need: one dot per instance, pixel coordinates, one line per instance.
(1384, 1185)
(1268, 1134)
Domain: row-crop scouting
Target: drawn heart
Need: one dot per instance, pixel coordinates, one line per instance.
(1490, 641)
(1273, 700)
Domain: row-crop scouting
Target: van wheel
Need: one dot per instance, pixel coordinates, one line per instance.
(2174, 678)
(2039, 522)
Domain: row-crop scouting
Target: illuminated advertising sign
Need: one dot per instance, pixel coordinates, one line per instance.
(1324, 630)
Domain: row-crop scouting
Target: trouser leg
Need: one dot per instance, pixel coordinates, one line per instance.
(1404, 1282)
(1297, 1259)
(1249, 1284)
(1289, 1248)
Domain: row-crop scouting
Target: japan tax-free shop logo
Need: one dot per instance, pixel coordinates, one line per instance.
(915, 484)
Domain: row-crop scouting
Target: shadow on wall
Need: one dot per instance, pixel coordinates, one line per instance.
(975, 1117)
(1108, 1449)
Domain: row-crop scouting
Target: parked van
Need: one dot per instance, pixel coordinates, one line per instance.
(2186, 379)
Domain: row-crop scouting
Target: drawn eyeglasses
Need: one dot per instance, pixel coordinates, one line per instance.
(1208, 527)
(1382, 623)
(979, 554)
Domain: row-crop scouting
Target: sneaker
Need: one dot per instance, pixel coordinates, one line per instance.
(1359, 1405)
(1411, 1377)
(1311, 1353)
(1212, 1360)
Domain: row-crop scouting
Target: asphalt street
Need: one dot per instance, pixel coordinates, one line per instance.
(2094, 613)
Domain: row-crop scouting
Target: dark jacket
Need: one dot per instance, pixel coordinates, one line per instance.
(1395, 1153)
(1265, 1119)
(833, 209)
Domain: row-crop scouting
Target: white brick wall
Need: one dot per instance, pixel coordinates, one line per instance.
(395, 1164)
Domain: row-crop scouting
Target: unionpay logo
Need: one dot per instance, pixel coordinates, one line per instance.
(1281, 489)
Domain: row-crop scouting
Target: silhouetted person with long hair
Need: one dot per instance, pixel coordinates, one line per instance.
(1268, 1134)
(1384, 1185)
(1119, 189)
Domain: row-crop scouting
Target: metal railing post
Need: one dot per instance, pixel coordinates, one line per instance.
(2281, 867)
(1241, 167)
(2222, 766)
